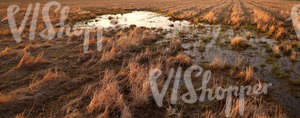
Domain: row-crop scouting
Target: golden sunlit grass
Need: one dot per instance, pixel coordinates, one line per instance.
(276, 50)
(281, 31)
(237, 15)
(248, 35)
(213, 15)
(293, 55)
(238, 42)
(249, 73)
(272, 30)
(263, 19)
(210, 17)
(261, 16)
(246, 74)
(217, 64)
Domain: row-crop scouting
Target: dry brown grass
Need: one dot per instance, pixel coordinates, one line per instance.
(20, 115)
(293, 56)
(255, 108)
(247, 74)
(237, 15)
(123, 89)
(217, 64)
(238, 42)
(248, 35)
(262, 16)
(281, 31)
(139, 85)
(5, 98)
(126, 113)
(287, 48)
(180, 60)
(4, 52)
(29, 61)
(110, 56)
(175, 45)
(263, 13)
(31, 47)
(272, 30)
(210, 17)
(239, 61)
(5, 32)
(262, 19)
(105, 114)
(51, 75)
(276, 50)
(146, 56)
(107, 96)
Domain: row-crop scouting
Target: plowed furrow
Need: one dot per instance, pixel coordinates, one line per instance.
(206, 9)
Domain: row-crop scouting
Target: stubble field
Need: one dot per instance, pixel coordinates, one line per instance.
(55, 78)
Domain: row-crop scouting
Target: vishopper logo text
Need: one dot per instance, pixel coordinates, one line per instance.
(206, 93)
(49, 32)
(295, 19)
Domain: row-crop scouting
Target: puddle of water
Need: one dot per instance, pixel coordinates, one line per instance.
(138, 18)
(151, 20)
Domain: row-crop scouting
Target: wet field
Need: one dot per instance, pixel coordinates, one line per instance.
(206, 42)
